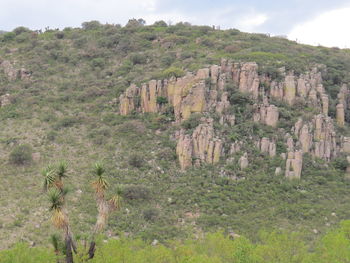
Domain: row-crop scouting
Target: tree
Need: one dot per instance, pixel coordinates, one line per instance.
(104, 206)
(54, 186)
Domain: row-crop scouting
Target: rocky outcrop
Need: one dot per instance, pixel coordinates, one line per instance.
(266, 114)
(294, 164)
(307, 87)
(200, 147)
(317, 137)
(193, 93)
(5, 100)
(289, 89)
(9, 70)
(236, 147)
(243, 161)
(340, 115)
(184, 150)
(345, 144)
(189, 94)
(249, 79)
(12, 73)
(267, 146)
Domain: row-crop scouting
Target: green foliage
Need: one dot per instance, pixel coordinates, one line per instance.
(136, 160)
(22, 253)
(173, 72)
(21, 155)
(272, 247)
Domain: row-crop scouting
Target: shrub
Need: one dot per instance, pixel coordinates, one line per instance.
(92, 25)
(150, 214)
(138, 59)
(21, 155)
(136, 160)
(136, 192)
(173, 72)
(192, 122)
(162, 100)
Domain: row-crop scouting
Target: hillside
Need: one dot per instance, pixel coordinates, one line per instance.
(203, 129)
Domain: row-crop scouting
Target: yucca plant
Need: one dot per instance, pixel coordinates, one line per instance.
(100, 184)
(104, 206)
(49, 177)
(53, 184)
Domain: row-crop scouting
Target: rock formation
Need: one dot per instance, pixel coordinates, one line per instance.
(5, 100)
(9, 70)
(200, 147)
(267, 146)
(243, 161)
(266, 114)
(294, 165)
(205, 91)
(340, 115)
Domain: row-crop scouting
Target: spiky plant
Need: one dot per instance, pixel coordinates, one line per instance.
(49, 177)
(100, 185)
(58, 218)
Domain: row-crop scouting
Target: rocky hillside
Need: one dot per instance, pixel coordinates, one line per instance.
(203, 129)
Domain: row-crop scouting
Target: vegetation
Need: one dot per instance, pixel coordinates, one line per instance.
(67, 110)
(274, 247)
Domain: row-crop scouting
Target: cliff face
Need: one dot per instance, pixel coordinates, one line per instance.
(207, 92)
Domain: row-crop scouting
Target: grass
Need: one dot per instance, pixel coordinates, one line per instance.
(65, 113)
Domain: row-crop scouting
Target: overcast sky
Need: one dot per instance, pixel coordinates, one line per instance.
(324, 22)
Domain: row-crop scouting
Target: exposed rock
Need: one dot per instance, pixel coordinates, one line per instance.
(227, 120)
(24, 74)
(340, 115)
(305, 138)
(294, 164)
(290, 89)
(236, 147)
(243, 161)
(184, 150)
(325, 104)
(9, 70)
(278, 171)
(5, 100)
(249, 79)
(345, 144)
(202, 146)
(266, 114)
(267, 146)
(127, 100)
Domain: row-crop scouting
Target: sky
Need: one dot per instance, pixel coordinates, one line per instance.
(315, 22)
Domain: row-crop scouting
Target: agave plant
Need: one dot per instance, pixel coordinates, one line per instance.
(100, 185)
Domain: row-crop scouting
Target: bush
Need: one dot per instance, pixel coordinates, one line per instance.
(136, 160)
(21, 155)
(136, 192)
(173, 72)
(150, 214)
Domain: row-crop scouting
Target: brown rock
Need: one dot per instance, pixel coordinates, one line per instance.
(5, 100)
(340, 115)
(243, 161)
(249, 79)
(184, 150)
(294, 165)
(289, 89)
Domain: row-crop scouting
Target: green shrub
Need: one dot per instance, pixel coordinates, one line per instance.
(21, 155)
(136, 192)
(173, 72)
(136, 160)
